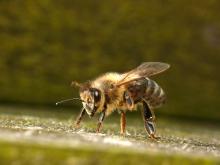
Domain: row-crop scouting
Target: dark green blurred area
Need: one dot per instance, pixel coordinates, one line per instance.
(46, 44)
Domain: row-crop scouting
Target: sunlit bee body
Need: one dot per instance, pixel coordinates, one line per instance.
(123, 92)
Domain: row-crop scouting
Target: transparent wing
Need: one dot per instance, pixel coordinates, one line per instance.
(146, 69)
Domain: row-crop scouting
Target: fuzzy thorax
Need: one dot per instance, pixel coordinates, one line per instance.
(110, 95)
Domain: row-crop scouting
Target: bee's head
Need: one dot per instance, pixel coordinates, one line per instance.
(91, 98)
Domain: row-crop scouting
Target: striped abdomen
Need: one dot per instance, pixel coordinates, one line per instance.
(148, 90)
(154, 94)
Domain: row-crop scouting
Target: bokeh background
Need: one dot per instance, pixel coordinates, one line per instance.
(46, 44)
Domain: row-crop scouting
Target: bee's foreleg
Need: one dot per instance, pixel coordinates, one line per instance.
(149, 119)
(79, 118)
(123, 122)
(100, 121)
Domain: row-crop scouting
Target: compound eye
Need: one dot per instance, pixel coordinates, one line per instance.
(97, 96)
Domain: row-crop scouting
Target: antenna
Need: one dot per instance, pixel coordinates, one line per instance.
(62, 101)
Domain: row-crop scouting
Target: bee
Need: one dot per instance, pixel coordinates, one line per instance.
(123, 92)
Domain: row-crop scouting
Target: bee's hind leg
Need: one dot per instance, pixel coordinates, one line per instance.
(149, 119)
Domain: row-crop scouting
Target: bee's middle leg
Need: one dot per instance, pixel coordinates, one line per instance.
(100, 121)
(149, 119)
(122, 123)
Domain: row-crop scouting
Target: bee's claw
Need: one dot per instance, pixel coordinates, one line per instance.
(153, 137)
(123, 134)
(97, 130)
(98, 127)
(76, 126)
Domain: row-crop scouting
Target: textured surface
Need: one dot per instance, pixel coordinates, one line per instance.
(49, 134)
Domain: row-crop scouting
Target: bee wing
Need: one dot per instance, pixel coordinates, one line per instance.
(146, 69)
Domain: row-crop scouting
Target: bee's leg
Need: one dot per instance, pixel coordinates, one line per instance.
(149, 119)
(79, 118)
(123, 123)
(101, 118)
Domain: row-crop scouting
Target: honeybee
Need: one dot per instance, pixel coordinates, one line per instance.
(124, 92)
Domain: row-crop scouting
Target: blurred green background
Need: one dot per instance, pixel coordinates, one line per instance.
(46, 44)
